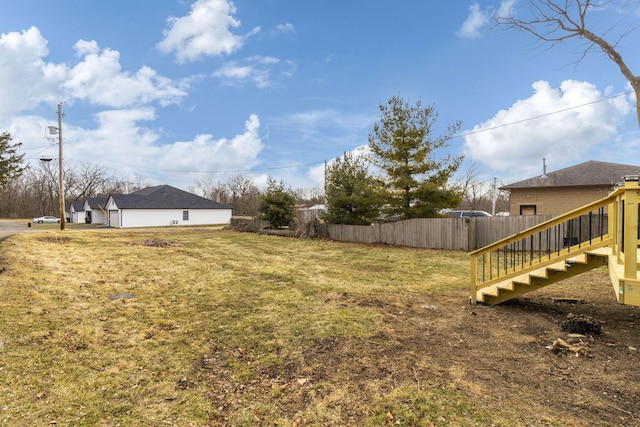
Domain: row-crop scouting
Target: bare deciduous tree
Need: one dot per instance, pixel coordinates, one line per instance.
(207, 188)
(91, 181)
(555, 21)
(244, 195)
(477, 195)
(45, 180)
(138, 183)
(313, 196)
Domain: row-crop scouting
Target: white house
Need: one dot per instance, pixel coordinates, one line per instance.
(94, 210)
(164, 205)
(76, 212)
(312, 213)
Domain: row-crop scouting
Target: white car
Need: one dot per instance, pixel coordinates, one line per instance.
(45, 219)
(467, 214)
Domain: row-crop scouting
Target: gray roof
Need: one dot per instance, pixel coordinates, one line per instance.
(96, 202)
(591, 173)
(78, 206)
(164, 197)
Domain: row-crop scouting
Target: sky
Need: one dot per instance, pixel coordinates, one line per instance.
(181, 91)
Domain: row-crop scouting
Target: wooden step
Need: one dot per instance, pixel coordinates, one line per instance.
(540, 277)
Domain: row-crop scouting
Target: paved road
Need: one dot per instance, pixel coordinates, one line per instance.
(7, 228)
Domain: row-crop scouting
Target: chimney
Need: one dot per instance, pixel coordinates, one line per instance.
(544, 168)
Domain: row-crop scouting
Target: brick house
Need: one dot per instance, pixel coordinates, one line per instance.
(566, 189)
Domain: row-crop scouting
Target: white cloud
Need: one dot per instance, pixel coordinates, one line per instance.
(475, 22)
(204, 155)
(100, 79)
(205, 31)
(26, 79)
(316, 173)
(86, 47)
(478, 19)
(505, 9)
(256, 69)
(120, 141)
(518, 138)
(286, 28)
(632, 96)
(118, 137)
(319, 120)
(122, 125)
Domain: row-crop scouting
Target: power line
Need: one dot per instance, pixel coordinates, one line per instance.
(542, 115)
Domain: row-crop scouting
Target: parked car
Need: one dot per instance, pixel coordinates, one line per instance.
(467, 214)
(45, 219)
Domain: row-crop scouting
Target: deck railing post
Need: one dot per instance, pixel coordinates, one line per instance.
(474, 278)
(615, 226)
(631, 226)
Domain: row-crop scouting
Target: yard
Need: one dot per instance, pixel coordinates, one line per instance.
(202, 327)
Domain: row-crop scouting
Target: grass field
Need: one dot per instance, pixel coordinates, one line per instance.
(201, 327)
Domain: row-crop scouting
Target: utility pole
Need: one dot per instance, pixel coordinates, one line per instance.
(61, 172)
(494, 196)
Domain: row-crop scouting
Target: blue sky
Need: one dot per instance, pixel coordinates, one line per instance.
(176, 91)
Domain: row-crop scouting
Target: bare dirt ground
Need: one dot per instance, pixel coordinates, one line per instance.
(500, 357)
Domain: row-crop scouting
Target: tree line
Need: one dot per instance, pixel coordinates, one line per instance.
(34, 190)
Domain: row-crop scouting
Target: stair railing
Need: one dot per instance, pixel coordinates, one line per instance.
(623, 262)
(598, 224)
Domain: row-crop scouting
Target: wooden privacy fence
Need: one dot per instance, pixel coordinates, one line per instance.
(458, 234)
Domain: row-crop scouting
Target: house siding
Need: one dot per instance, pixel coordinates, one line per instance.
(166, 217)
(555, 200)
(98, 216)
(77, 216)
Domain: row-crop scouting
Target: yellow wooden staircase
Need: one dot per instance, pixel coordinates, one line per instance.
(602, 233)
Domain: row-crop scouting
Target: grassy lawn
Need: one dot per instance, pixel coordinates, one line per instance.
(72, 355)
(200, 327)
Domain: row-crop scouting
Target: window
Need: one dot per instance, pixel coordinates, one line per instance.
(527, 209)
(185, 215)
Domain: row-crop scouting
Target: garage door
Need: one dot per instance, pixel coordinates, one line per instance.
(114, 219)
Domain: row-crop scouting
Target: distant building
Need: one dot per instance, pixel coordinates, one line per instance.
(566, 189)
(163, 205)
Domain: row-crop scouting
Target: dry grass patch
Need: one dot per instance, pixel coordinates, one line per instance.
(197, 327)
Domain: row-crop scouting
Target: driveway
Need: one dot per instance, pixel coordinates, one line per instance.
(9, 227)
